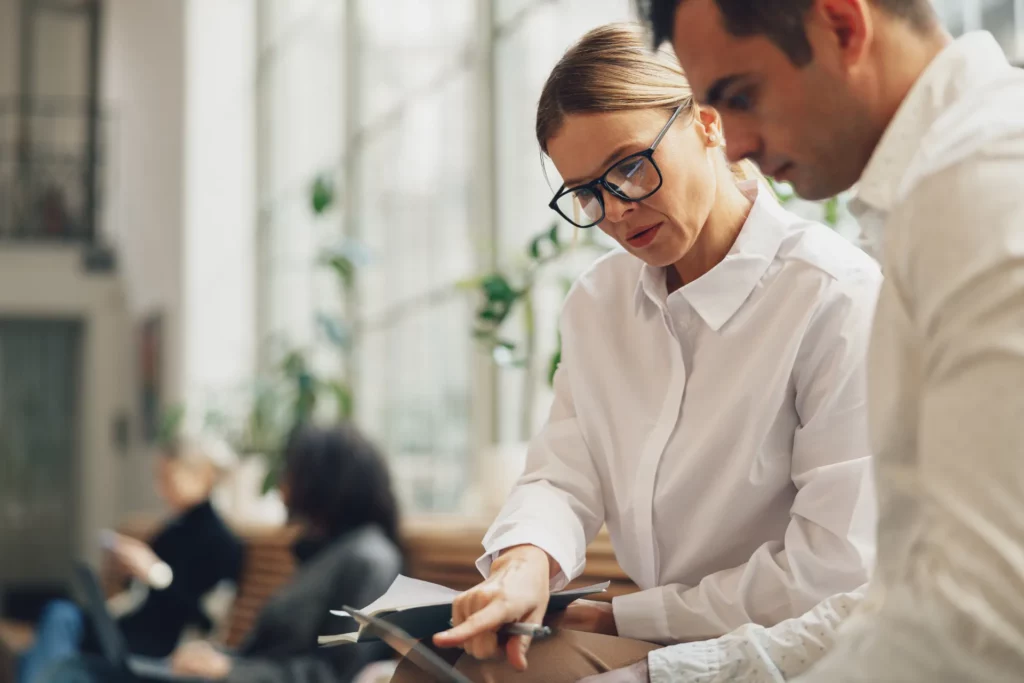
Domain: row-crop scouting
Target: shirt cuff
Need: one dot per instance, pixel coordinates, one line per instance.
(558, 548)
(698, 662)
(642, 616)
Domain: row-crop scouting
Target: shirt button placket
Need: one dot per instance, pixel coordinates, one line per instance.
(654, 448)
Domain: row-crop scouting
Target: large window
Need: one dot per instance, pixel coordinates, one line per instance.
(422, 114)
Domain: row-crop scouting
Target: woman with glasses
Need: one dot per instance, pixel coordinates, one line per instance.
(710, 405)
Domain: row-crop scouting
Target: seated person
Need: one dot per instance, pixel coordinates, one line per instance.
(710, 404)
(337, 489)
(191, 556)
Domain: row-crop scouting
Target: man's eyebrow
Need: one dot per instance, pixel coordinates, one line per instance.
(717, 90)
(614, 156)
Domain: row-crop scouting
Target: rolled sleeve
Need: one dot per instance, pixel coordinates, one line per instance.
(565, 542)
(756, 653)
(643, 615)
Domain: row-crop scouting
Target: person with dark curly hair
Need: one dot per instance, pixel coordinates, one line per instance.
(337, 489)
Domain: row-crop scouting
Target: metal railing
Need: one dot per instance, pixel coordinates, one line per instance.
(50, 169)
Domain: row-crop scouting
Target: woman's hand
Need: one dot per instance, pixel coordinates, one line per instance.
(135, 558)
(517, 590)
(589, 616)
(201, 660)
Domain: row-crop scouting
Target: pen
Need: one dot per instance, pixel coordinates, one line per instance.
(535, 631)
(519, 628)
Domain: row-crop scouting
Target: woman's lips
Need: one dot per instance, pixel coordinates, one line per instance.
(644, 237)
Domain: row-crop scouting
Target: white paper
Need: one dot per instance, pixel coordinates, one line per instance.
(405, 593)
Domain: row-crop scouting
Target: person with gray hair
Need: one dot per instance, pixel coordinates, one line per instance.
(191, 556)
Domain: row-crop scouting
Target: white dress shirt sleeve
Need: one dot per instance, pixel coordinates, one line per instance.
(953, 605)
(829, 544)
(557, 504)
(753, 653)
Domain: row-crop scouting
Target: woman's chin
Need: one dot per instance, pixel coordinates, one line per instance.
(657, 256)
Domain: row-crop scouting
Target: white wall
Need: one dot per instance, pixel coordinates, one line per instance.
(143, 82)
(219, 353)
(49, 282)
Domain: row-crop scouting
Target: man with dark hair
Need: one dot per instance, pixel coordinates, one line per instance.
(825, 94)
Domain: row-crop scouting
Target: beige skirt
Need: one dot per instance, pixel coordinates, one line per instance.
(566, 657)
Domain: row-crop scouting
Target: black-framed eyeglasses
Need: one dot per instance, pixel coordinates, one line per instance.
(632, 179)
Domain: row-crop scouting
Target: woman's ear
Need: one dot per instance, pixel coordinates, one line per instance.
(709, 124)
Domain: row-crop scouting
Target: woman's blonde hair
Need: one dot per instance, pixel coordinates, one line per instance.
(610, 69)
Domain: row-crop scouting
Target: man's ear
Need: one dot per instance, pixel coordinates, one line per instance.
(848, 24)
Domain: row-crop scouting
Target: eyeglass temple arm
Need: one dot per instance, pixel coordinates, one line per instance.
(668, 125)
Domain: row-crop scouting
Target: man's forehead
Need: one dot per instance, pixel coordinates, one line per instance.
(705, 49)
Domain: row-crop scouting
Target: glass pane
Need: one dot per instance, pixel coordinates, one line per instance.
(414, 187)
(525, 53)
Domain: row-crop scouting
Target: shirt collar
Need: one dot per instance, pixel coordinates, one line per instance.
(718, 294)
(968, 62)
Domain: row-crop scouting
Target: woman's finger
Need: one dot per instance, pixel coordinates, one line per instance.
(483, 646)
(490, 618)
(517, 646)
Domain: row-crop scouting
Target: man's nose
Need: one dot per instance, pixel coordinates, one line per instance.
(741, 143)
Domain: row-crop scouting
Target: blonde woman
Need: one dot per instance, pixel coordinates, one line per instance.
(709, 409)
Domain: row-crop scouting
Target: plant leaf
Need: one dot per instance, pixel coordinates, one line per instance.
(293, 364)
(322, 193)
(345, 268)
(337, 331)
(553, 234)
(170, 424)
(343, 398)
(832, 211)
(545, 245)
(470, 283)
(496, 287)
(556, 360)
(483, 335)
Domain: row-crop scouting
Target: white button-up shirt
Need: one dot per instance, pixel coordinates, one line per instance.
(942, 201)
(946, 186)
(719, 432)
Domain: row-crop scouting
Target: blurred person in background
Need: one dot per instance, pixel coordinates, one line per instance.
(710, 405)
(337, 489)
(190, 558)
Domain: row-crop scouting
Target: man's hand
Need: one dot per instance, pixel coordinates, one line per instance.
(201, 660)
(589, 616)
(517, 590)
(638, 673)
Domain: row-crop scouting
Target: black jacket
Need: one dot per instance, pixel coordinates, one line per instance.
(202, 552)
(353, 569)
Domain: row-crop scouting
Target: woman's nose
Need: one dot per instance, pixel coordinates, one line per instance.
(616, 208)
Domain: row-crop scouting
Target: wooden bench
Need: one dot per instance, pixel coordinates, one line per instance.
(440, 551)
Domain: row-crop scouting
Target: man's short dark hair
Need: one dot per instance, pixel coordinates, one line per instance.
(781, 21)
